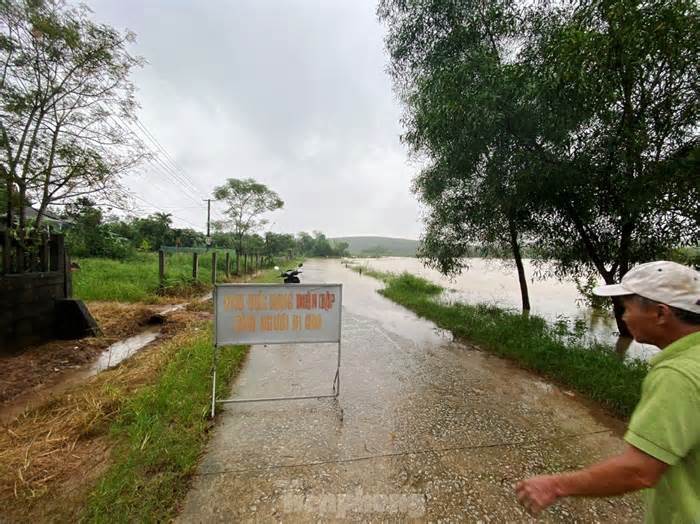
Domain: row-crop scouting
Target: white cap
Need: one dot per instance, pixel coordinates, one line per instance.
(670, 283)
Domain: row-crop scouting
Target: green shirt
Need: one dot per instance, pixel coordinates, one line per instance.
(666, 425)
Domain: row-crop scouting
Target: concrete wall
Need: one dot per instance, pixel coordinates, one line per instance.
(27, 308)
(33, 276)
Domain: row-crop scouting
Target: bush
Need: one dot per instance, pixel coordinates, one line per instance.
(98, 241)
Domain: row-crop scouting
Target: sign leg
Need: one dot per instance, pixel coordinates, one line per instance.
(213, 382)
(336, 379)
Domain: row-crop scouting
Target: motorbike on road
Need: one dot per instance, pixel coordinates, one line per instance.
(291, 276)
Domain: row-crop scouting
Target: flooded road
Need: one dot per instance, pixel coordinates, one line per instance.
(425, 428)
(493, 282)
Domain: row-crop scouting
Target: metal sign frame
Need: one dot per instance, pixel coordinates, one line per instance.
(336, 378)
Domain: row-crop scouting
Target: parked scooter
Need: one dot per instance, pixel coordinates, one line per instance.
(291, 276)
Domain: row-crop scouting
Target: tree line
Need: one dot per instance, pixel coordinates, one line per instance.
(92, 233)
(570, 128)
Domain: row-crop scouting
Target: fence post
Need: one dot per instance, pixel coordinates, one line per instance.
(257, 262)
(213, 268)
(54, 262)
(238, 264)
(195, 266)
(63, 265)
(245, 263)
(44, 253)
(20, 255)
(6, 251)
(59, 253)
(67, 275)
(228, 264)
(161, 267)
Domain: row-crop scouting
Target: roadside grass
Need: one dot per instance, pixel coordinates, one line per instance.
(366, 270)
(136, 279)
(161, 431)
(594, 371)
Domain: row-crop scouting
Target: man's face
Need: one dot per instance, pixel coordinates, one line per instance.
(642, 320)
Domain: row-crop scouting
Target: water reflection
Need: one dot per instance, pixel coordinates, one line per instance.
(493, 282)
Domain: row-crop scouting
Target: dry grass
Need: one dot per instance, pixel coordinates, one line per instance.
(60, 447)
(46, 364)
(52, 456)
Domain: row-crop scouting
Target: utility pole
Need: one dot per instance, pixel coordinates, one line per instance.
(208, 201)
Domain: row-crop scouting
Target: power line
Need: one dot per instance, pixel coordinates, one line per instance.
(165, 152)
(156, 161)
(167, 155)
(150, 204)
(167, 172)
(162, 167)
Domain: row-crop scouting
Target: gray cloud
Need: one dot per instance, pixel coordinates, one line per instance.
(291, 93)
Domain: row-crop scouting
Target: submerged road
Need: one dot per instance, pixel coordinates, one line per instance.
(425, 429)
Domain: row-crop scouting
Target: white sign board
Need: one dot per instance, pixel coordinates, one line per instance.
(277, 313)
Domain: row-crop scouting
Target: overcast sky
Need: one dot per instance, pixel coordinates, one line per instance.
(292, 93)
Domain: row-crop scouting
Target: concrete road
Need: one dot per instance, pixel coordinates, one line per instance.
(425, 429)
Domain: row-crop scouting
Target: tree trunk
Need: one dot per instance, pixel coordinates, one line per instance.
(618, 310)
(515, 247)
(10, 187)
(608, 276)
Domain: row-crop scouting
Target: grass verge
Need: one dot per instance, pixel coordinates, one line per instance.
(118, 446)
(136, 279)
(52, 455)
(160, 433)
(594, 371)
(366, 270)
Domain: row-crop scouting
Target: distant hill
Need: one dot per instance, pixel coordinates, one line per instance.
(380, 246)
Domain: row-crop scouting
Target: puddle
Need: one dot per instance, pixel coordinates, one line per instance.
(123, 349)
(177, 307)
(109, 358)
(173, 308)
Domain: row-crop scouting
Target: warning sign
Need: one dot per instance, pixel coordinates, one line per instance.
(277, 313)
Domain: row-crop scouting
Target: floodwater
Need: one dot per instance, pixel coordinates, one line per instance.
(493, 282)
(425, 429)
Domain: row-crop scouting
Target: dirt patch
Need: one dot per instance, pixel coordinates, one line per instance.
(201, 305)
(51, 455)
(44, 365)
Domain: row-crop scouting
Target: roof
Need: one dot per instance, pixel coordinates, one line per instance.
(30, 212)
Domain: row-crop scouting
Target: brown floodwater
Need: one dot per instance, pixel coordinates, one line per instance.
(494, 282)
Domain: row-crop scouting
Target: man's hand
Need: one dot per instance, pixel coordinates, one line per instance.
(629, 471)
(537, 493)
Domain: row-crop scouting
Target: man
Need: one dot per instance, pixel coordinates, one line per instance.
(662, 453)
